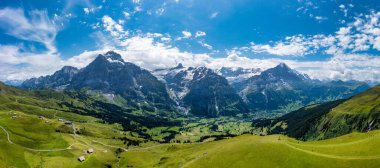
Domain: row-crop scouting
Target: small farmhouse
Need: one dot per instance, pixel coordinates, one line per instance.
(90, 150)
(81, 158)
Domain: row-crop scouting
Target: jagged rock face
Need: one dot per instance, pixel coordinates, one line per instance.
(59, 80)
(283, 89)
(112, 76)
(202, 92)
(109, 73)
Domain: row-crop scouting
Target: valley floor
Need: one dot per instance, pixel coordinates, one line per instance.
(30, 141)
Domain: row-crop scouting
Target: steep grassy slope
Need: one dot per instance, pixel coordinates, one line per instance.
(359, 113)
(297, 123)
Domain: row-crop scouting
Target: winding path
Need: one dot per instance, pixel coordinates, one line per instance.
(371, 137)
(36, 150)
(9, 139)
(111, 146)
(332, 156)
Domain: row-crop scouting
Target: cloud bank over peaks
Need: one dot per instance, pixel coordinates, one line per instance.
(363, 34)
(152, 50)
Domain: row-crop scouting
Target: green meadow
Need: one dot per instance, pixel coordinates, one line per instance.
(37, 142)
(352, 150)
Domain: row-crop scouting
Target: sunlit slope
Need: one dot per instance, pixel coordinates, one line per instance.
(33, 142)
(359, 113)
(353, 150)
(29, 141)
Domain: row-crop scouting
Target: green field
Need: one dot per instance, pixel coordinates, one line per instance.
(33, 133)
(32, 137)
(353, 150)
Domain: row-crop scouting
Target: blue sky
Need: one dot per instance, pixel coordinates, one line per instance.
(325, 39)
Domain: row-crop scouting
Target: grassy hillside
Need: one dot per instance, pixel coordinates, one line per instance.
(353, 150)
(32, 135)
(359, 113)
(297, 123)
(44, 142)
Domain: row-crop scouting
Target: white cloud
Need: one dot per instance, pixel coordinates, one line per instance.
(137, 9)
(200, 33)
(214, 15)
(360, 35)
(115, 29)
(150, 54)
(19, 61)
(166, 39)
(39, 28)
(320, 18)
(281, 49)
(136, 1)
(186, 34)
(91, 10)
(86, 11)
(343, 8)
(208, 46)
(293, 46)
(127, 15)
(145, 52)
(152, 51)
(376, 43)
(160, 11)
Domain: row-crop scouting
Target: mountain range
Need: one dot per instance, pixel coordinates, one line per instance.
(197, 91)
(201, 91)
(282, 89)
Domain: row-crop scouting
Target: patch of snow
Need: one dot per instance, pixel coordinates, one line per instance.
(114, 61)
(62, 87)
(109, 97)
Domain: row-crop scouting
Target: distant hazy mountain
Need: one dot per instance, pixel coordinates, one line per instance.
(201, 91)
(14, 82)
(283, 89)
(59, 80)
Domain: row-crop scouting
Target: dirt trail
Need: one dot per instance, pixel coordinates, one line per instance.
(193, 160)
(332, 156)
(9, 140)
(35, 150)
(371, 137)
